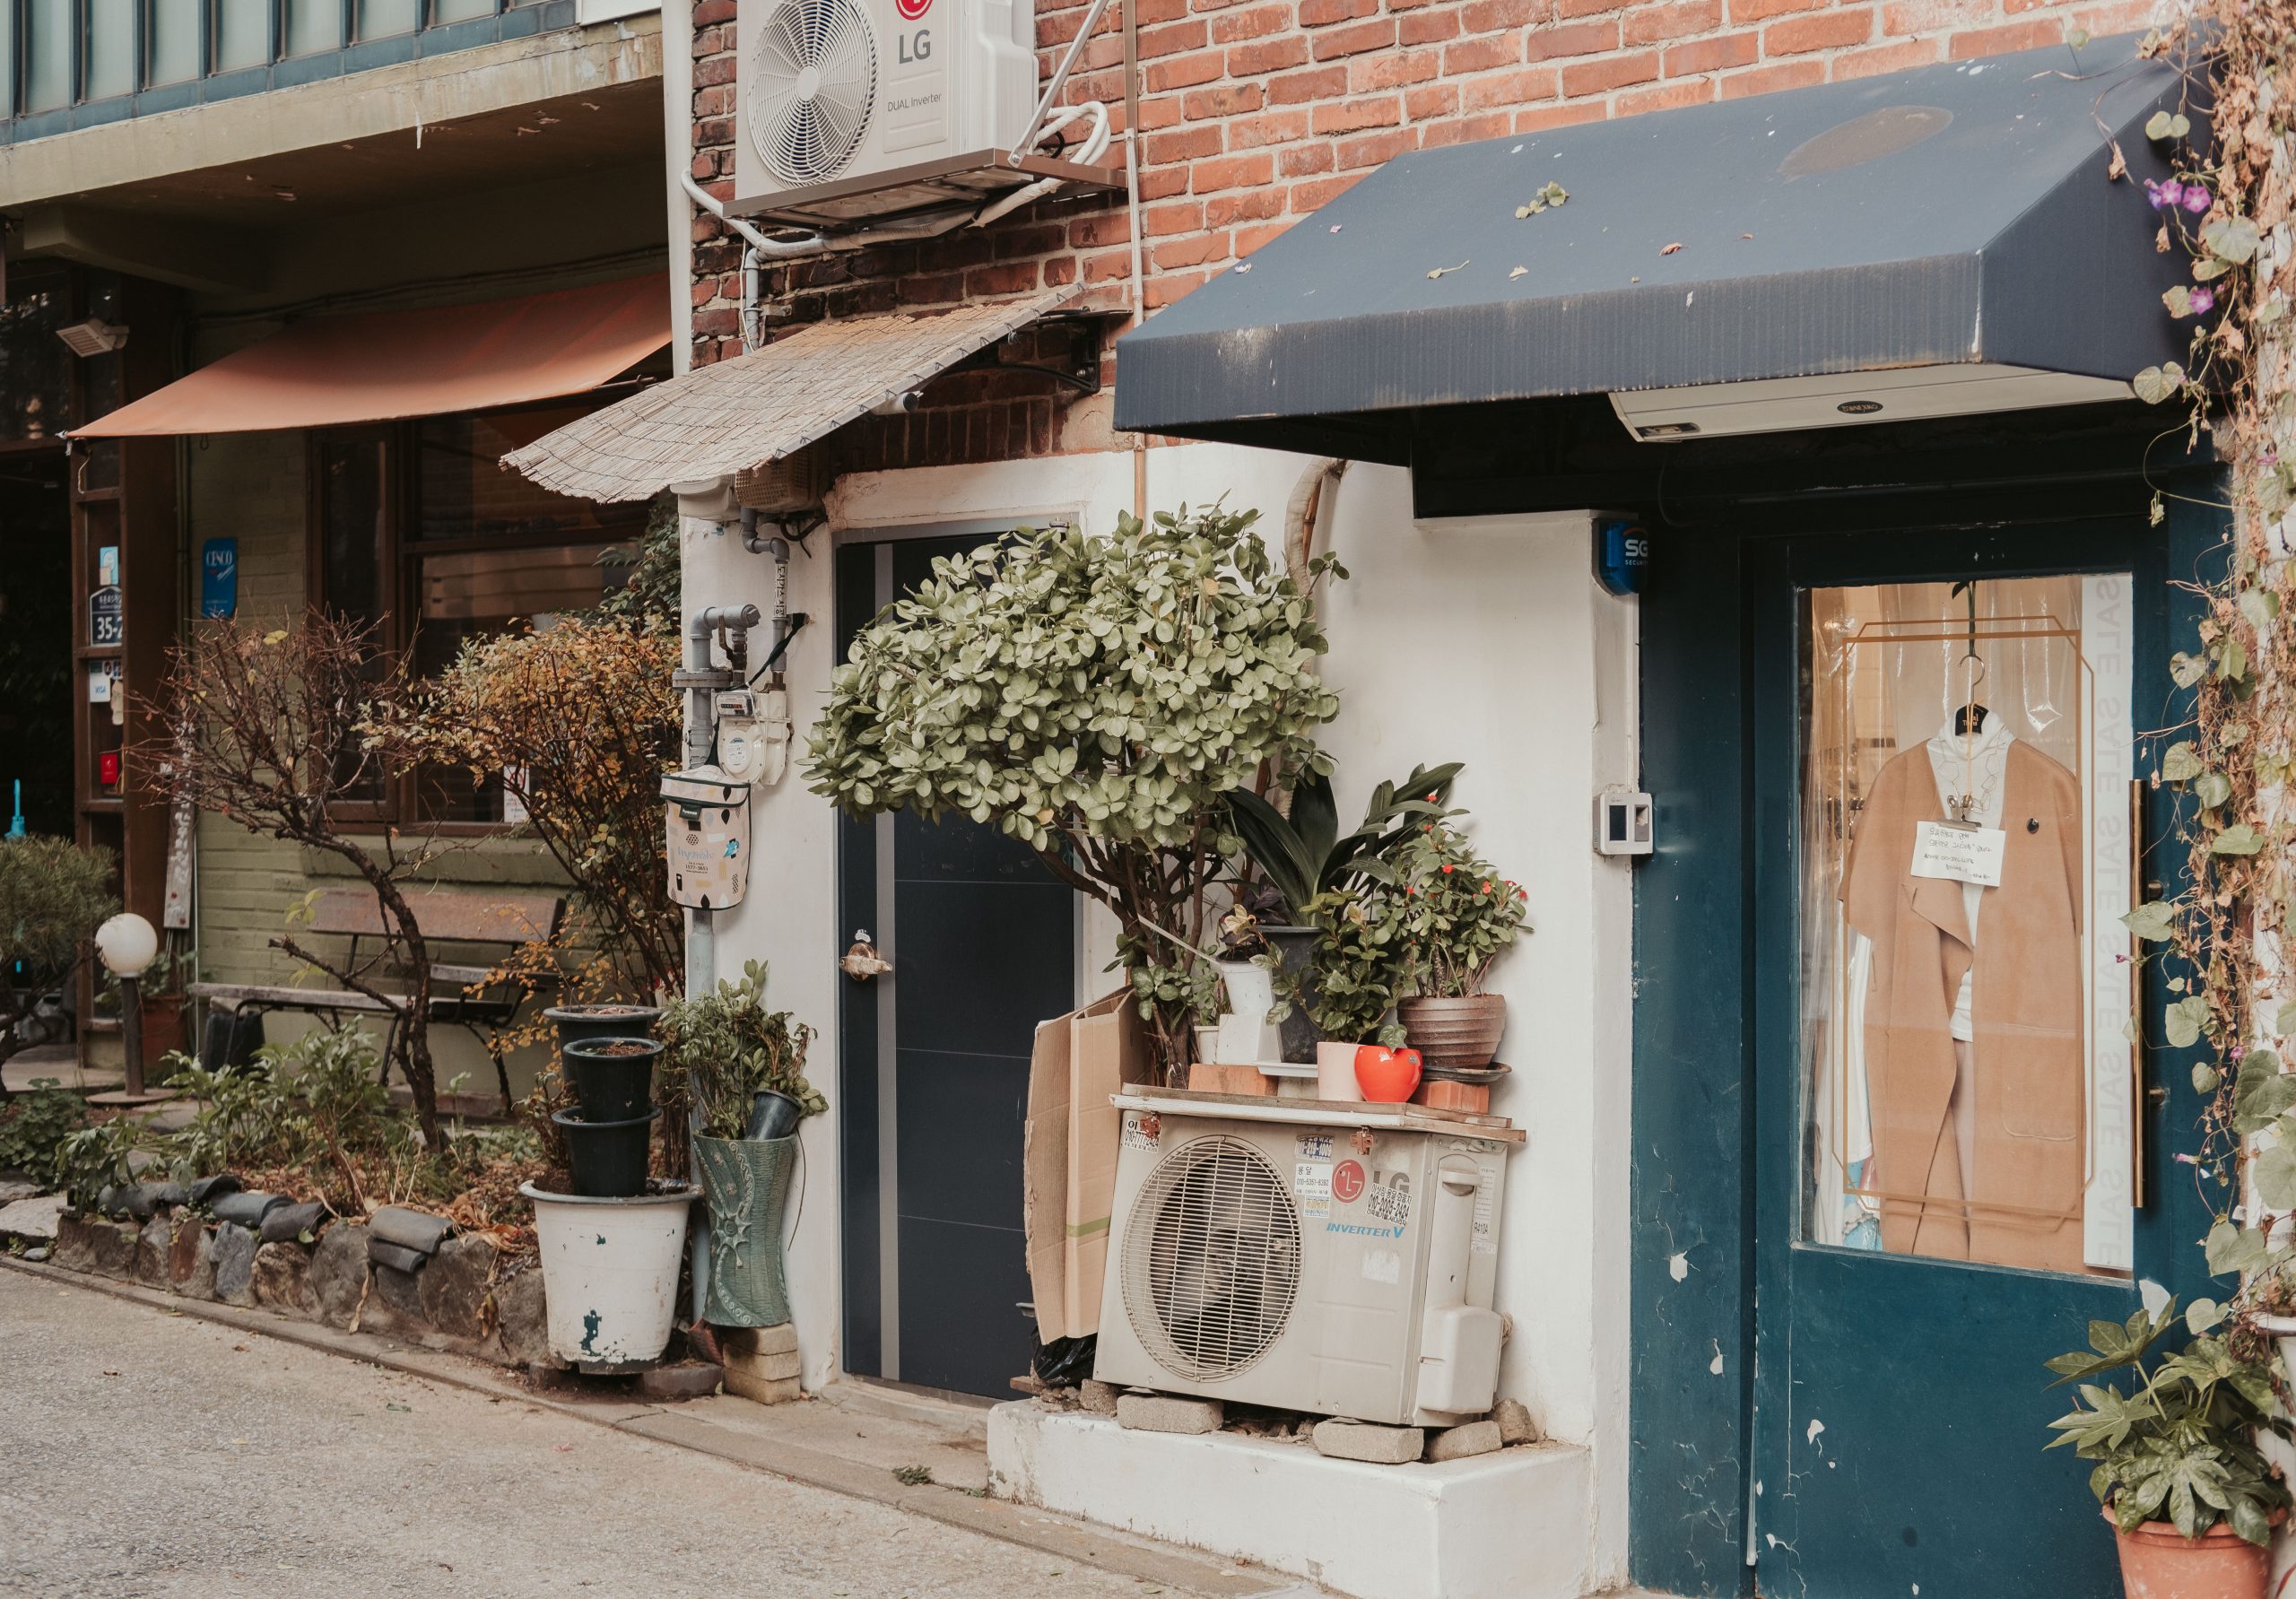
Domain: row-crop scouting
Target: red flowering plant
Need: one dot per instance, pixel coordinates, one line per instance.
(1458, 913)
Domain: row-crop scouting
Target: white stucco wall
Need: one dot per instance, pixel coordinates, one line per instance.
(1485, 641)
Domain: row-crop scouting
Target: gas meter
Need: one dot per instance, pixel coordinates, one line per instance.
(707, 817)
(753, 733)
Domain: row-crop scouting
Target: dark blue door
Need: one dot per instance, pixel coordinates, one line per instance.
(1944, 1187)
(936, 1063)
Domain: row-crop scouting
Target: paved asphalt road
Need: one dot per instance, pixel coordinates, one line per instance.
(148, 1454)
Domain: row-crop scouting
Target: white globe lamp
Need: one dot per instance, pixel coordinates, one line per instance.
(126, 945)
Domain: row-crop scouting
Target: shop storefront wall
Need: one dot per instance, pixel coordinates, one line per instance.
(253, 487)
(1484, 640)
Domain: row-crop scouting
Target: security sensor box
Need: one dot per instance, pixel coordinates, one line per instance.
(1622, 823)
(709, 834)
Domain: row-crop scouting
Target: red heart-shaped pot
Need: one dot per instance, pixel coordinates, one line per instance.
(1387, 1076)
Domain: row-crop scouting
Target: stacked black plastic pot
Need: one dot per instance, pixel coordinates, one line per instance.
(608, 1061)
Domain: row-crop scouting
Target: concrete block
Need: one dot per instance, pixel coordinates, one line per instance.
(1459, 1443)
(1099, 1397)
(1369, 1441)
(759, 1341)
(688, 1379)
(1169, 1413)
(1515, 1423)
(762, 1390)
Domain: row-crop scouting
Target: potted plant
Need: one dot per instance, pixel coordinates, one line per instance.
(740, 1067)
(1459, 915)
(162, 992)
(1350, 985)
(2191, 1499)
(1293, 854)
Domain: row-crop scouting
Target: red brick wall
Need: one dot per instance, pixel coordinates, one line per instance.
(1256, 112)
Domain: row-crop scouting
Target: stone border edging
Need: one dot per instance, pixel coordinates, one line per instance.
(1040, 1530)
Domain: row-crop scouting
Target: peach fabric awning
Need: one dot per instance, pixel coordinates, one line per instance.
(382, 366)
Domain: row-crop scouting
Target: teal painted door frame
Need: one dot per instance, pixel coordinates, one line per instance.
(1716, 1426)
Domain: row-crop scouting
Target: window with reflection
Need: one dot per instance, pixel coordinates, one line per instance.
(425, 534)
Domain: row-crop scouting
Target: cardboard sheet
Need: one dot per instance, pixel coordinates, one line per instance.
(1068, 1164)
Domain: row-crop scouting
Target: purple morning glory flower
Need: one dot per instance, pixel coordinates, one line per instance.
(2168, 191)
(2203, 300)
(2197, 198)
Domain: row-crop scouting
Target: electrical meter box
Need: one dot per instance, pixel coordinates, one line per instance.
(708, 822)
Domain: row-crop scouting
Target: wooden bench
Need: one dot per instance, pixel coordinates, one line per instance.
(446, 917)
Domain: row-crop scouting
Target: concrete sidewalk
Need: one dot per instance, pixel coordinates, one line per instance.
(157, 1446)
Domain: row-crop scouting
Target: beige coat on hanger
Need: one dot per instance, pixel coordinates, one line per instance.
(2025, 1208)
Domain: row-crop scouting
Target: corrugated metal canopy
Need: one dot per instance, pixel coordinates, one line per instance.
(1956, 213)
(720, 420)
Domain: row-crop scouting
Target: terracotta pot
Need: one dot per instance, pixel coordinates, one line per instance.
(1335, 1073)
(2159, 1562)
(162, 1029)
(1454, 1032)
(1440, 1094)
(1387, 1076)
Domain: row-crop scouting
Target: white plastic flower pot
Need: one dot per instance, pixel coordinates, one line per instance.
(610, 1274)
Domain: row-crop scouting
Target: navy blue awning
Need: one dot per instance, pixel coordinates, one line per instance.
(1954, 214)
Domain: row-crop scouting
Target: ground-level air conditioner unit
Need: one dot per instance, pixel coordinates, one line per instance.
(835, 95)
(1307, 1267)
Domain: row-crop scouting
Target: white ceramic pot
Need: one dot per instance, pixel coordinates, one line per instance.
(1335, 1073)
(1251, 989)
(610, 1274)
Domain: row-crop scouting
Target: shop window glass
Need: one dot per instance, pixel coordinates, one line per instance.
(313, 26)
(48, 78)
(1969, 1086)
(460, 11)
(7, 60)
(34, 365)
(464, 493)
(242, 34)
(111, 49)
(382, 19)
(173, 26)
(475, 551)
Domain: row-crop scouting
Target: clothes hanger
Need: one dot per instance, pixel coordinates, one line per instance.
(1970, 717)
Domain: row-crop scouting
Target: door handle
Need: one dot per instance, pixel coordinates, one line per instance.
(862, 962)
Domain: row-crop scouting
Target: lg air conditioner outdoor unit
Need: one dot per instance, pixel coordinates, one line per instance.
(1279, 1264)
(839, 101)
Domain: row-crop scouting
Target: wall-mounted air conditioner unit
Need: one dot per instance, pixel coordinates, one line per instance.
(1279, 1264)
(839, 101)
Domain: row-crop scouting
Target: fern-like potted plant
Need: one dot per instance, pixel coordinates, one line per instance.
(1459, 915)
(2192, 1499)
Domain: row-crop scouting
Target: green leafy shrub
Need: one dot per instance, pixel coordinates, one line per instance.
(34, 1126)
(1351, 983)
(53, 895)
(1096, 699)
(2180, 1447)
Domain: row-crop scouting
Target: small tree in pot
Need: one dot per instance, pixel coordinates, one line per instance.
(1097, 698)
(1459, 916)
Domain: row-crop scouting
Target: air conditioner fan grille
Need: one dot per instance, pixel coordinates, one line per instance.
(1211, 1259)
(813, 87)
